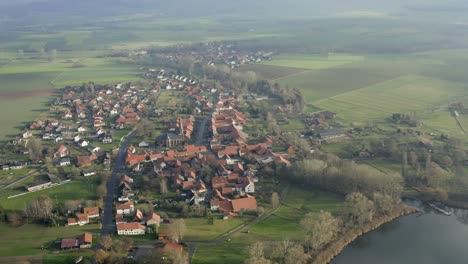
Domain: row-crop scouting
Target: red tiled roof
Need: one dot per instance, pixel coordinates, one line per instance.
(173, 247)
(82, 217)
(91, 210)
(69, 243)
(126, 205)
(86, 238)
(130, 226)
(249, 203)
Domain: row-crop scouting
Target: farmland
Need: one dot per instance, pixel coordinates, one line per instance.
(404, 94)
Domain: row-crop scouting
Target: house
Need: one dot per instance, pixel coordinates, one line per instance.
(82, 219)
(69, 243)
(165, 234)
(92, 212)
(331, 134)
(82, 143)
(126, 179)
(94, 149)
(27, 134)
(88, 172)
(83, 241)
(82, 129)
(39, 185)
(125, 208)
(153, 219)
(72, 222)
(171, 248)
(62, 152)
(107, 139)
(128, 229)
(119, 219)
(143, 144)
(77, 138)
(65, 162)
(244, 204)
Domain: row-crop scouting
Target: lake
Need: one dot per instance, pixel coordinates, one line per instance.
(431, 238)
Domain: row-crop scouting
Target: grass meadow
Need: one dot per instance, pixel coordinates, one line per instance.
(283, 224)
(78, 189)
(28, 239)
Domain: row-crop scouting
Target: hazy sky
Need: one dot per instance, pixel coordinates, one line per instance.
(255, 8)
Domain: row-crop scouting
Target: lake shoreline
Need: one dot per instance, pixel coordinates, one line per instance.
(336, 247)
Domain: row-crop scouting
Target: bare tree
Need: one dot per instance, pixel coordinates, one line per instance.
(14, 219)
(275, 200)
(320, 228)
(179, 228)
(296, 255)
(35, 149)
(106, 242)
(101, 256)
(40, 208)
(163, 185)
(257, 254)
(358, 209)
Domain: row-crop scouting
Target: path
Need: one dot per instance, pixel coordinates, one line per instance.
(108, 225)
(461, 125)
(29, 174)
(193, 245)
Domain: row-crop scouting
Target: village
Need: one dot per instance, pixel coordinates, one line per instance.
(196, 149)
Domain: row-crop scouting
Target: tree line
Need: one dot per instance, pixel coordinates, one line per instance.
(331, 173)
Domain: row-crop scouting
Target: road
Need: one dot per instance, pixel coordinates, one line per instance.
(108, 225)
(201, 132)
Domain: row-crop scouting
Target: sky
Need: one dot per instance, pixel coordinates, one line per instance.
(248, 8)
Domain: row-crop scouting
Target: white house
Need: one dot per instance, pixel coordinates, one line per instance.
(83, 143)
(125, 208)
(77, 138)
(65, 162)
(131, 229)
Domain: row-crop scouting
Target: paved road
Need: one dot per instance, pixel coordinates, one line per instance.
(108, 225)
(203, 129)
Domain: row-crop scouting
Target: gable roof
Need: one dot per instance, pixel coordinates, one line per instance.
(91, 210)
(69, 243)
(130, 226)
(249, 204)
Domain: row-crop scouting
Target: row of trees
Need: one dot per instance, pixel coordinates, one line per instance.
(344, 176)
(321, 228)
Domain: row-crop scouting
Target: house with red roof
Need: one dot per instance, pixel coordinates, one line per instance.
(92, 212)
(125, 208)
(62, 152)
(130, 229)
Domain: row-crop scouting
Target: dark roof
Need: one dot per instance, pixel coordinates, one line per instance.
(168, 136)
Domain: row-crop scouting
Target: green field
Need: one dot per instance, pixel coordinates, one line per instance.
(28, 239)
(313, 62)
(199, 230)
(283, 224)
(78, 189)
(410, 93)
